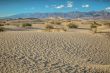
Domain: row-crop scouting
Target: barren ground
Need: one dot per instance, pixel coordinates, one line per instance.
(54, 52)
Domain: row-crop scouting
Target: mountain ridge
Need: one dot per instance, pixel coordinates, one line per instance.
(69, 15)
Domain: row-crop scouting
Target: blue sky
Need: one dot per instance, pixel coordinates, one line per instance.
(12, 7)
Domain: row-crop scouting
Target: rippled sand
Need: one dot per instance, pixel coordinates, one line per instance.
(53, 52)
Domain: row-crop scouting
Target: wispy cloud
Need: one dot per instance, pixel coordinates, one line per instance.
(108, 8)
(69, 4)
(86, 6)
(59, 6)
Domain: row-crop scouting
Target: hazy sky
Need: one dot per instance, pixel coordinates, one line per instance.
(11, 7)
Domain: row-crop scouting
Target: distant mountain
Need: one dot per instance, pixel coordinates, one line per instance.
(69, 15)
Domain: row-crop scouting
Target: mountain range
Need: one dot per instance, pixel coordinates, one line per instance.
(69, 15)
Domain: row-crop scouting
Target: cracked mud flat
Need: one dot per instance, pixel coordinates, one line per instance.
(48, 52)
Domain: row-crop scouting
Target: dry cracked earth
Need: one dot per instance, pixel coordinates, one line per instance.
(54, 52)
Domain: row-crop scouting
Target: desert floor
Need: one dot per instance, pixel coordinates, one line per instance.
(54, 52)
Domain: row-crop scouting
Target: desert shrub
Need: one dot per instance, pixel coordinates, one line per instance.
(58, 23)
(55, 22)
(96, 23)
(49, 27)
(64, 29)
(7, 23)
(26, 25)
(2, 29)
(94, 26)
(72, 25)
(1, 24)
(52, 22)
(17, 25)
(107, 24)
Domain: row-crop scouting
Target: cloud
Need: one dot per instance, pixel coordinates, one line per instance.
(108, 8)
(69, 4)
(60, 6)
(86, 6)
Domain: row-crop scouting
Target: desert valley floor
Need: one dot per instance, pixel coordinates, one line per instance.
(54, 52)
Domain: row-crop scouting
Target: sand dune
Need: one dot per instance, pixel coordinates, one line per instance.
(54, 52)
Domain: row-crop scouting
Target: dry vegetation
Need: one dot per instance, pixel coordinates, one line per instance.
(58, 50)
(72, 25)
(2, 29)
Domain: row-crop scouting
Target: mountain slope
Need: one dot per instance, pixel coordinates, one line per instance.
(74, 14)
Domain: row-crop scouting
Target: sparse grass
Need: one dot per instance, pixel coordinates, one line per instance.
(18, 25)
(51, 22)
(58, 23)
(64, 29)
(23, 25)
(1, 24)
(49, 26)
(94, 26)
(72, 25)
(26, 25)
(55, 22)
(2, 29)
(107, 24)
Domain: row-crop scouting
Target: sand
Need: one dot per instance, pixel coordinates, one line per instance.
(54, 52)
